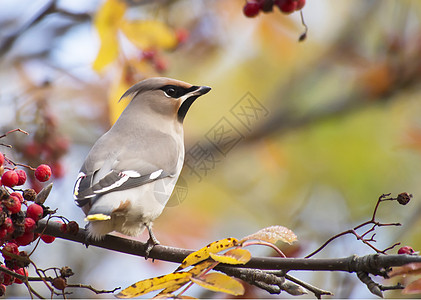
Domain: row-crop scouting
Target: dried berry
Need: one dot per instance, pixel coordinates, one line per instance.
(66, 272)
(19, 218)
(59, 283)
(404, 198)
(19, 230)
(72, 228)
(29, 195)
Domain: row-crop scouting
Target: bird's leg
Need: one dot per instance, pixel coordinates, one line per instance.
(152, 241)
(88, 239)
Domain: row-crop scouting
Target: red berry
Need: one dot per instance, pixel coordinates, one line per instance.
(43, 173)
(406, 250)
(11, 248)
(3, 233)
(58, 170)
(47, 238)
(181, 35)
(34, 212)
(286, 6)
(8, 225)
(149, 54)
(63, 228)
(7, 279)
(29, 224)
(300, 4)
(21, 271)
(32, 150)
(13, 204)
(17, 195)
(251, 9)
(10, 178)
(1, 159)
(61, 145)
(22, 176)
(160, 65)
(25, 239)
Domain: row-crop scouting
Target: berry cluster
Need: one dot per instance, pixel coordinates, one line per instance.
(253, 7)
(47, 146)
(153, 57)
(17, 227)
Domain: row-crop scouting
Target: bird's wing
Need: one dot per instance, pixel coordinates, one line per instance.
(129, 167)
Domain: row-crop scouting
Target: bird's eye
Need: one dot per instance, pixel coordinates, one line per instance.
(171, 92)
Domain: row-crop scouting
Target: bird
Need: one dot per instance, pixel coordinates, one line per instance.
(130, 172)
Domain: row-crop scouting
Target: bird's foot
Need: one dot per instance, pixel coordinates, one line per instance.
(151, 243)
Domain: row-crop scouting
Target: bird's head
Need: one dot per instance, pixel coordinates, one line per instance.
(167, 97)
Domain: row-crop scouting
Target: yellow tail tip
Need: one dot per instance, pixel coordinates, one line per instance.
(97, 217)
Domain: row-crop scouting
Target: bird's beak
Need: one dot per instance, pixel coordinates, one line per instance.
(188, 100)
(202, 90)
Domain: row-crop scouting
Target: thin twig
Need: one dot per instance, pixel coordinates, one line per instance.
(303, 36)
(361, 237)
(13, 130)
(89, 287)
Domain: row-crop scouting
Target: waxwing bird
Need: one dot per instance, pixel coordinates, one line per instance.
(130, 172)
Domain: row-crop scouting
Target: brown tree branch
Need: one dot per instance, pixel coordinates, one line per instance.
(375, 264)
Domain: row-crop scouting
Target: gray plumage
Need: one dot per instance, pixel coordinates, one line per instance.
(130, 172)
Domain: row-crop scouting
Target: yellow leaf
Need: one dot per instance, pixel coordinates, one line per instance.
(172, 296)
(149, 34)
(203, 253)
(115, 106)
(273, 234)
(220, 283)
(106, 22)
(199, 268)
(148, 285)
(108, 52)
(232, 257)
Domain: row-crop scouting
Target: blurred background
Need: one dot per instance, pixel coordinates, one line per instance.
(301, 134)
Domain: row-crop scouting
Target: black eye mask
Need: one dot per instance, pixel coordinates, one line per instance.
(174, 91)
